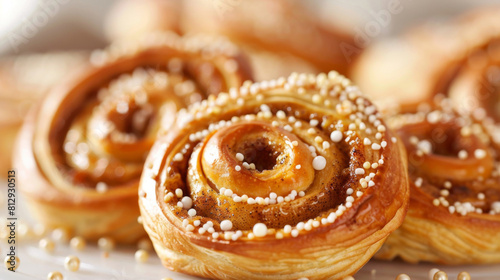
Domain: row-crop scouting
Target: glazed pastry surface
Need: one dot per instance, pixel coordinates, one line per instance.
(282, 179)
(454, 215)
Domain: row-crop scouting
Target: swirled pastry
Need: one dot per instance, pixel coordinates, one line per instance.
(280, 36)
(80, 155)
(454, 215)
(285, 32)
(24, 80)
(429, 59)
(282, 179)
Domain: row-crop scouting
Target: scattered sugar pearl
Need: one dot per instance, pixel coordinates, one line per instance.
(228, 192)
(462, 154)
(72, 263)
(480, 153)
(326, 145)
(302, 193)
(192, 212)
(237, 168)
(47, 245)
(336, 136)
(178, 157)
(168, 197)
(106, 243)
(445, 193)
(187, 202)
(260, 230)
(77, 243)
(240, 157)
(418, 182)
(366, 165)
(178, 193)
(464, 276)
(403, 277)
(294, 233)
(101, 187)
(481, 196)
(197, 223)
(60, 235)
(281, 115)
(440, 275)
(367, 142)
(447, 184)
(55, 275)
(319, 163)
(298, 166)
(7, 264)
(376, 147)
(141, 256)
(226, 225)
(359, 171)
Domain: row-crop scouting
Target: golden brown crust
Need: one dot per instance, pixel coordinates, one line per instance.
(426, 62)
(203, 225)
(454, 215)
(81, 152)
(279, 36)
(280, 27)
(129, 19)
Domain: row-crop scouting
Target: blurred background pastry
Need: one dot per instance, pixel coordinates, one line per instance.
(454, 215)
(429, 59)
(24, 80)
(280, 36)
(81, 151)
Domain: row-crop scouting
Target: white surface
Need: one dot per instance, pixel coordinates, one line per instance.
(35, 263)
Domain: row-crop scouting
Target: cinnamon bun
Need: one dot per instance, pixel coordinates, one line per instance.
(282, 179)
(81, 153)
(429, 59)
(454, 215)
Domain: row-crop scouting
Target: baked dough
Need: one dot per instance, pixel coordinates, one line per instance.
(81, 153)
(282, 179)
(454, 215)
